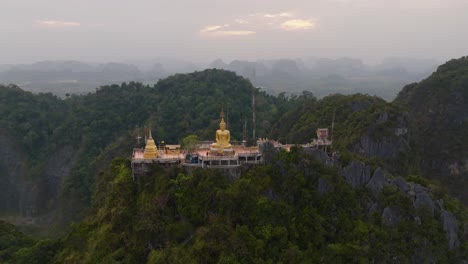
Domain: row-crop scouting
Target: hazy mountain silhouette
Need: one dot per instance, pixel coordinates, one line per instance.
(321, 76)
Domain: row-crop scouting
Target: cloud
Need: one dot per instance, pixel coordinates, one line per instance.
(297, 24)
(252, 23)
(57, 23)
(234, 33)
(219, 30)
(213, 28)
(278, 15)
(241, 21)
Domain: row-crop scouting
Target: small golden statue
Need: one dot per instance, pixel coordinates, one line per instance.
(223, 136)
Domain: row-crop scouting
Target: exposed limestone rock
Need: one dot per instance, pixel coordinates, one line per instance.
(383, 117)
(449, 223)
(401, 184)
(439, 205)
(401, 131)
(384, 149)
(458, 168)
(422, 198)
(390, 217)
(357, 174)
(319, 154)
(378, 181)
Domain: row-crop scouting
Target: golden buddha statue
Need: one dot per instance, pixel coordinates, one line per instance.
(223, 136)
(151, 151)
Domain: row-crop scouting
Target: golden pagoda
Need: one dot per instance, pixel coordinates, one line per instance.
(151, 151)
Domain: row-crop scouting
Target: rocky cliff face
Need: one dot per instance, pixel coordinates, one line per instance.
(27, 193)
(56, 169)
(358, 174)
(12, 174)
(387, 139)
(438, 114)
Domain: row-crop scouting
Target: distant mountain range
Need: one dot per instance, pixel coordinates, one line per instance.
(321, 76)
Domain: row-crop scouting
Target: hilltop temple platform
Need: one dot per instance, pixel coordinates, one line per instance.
(221, 153)
(201, 157)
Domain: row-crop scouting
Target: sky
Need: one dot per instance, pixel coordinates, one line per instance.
(204, 30)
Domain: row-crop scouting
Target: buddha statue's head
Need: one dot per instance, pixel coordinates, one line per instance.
(222, 125)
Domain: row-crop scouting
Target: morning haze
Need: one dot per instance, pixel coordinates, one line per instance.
(201, 31)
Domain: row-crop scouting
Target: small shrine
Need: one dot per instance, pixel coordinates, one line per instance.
(322, 138)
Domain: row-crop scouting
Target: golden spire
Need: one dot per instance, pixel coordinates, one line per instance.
(222, 117)
(151, 151)
(150, 136)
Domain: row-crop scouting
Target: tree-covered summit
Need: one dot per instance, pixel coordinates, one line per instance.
(438, 110)
(64, 143)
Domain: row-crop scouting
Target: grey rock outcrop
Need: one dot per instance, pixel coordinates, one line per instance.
(401, 184)
(390, 216)
(319, 154)
(422, 198)
(450, 226)
(383, 117)
(378, 181)
(385, 148)
(357, 174)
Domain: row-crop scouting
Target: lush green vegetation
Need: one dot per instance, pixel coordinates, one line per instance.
(439, 118)
(15, 247)
(355, 116)
(83, 133)
(272, 214)
(357, 111)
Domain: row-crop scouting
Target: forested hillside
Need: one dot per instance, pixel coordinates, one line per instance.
(421, 133)
(366, 128)
(64, 160)
(438, 107)
(294, 209)
(55, 148)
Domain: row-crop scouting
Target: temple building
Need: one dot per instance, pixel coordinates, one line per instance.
(222, 153)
